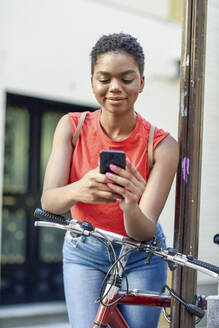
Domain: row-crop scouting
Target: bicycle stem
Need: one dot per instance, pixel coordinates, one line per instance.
(113, 287)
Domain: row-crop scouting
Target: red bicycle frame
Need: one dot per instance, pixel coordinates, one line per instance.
(111, 314)
(108, 312)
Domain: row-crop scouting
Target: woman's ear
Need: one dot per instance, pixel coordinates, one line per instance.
(91, 81)
(141, 84)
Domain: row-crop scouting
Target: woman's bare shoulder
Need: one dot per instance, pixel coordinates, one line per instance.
(167, 150)
(63, 128)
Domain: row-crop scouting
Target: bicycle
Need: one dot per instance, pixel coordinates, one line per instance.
(108, 314)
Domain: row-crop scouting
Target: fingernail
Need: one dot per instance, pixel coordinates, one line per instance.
(109, 175)
(128, 160)
(113, 166)
(118, 200)
(109, 184)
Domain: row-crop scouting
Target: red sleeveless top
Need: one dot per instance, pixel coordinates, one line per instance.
(91, 141)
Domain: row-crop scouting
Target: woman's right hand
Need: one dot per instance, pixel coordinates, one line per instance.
(92, 188)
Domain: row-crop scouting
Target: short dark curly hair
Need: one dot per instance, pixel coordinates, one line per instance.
(118, 42)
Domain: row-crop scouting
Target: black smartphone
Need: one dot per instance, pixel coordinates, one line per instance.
(108, 157)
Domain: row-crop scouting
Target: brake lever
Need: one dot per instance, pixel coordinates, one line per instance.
(68, 227)
(50, 225)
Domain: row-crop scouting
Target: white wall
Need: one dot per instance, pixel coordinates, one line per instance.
(158, 9)
(44, 51)
(45, 45)
(209, 218)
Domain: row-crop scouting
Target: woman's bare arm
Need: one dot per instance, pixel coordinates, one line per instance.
(59, 196)
(140, 219)
(156, 191)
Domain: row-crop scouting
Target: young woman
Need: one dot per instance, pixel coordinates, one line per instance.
(128, 201)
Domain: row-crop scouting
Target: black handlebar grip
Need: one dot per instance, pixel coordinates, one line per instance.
(195, 310)
(216, 238)
(44, 215)
(205, 265)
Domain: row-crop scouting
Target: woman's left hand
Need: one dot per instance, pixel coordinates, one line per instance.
(128, 183)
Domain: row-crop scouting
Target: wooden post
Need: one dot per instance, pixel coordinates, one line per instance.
(186, 230)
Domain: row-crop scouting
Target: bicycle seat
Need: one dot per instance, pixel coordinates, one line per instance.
(216, 238)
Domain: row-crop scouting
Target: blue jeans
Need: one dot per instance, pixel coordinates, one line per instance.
(85, 263)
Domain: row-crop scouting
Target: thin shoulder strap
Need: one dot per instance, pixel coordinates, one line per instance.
(150, 148)
(78, 128)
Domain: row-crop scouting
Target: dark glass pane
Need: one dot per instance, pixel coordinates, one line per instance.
(50, 245)
(16, 150)
(13, 236)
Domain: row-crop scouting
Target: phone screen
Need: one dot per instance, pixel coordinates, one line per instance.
(108, 157)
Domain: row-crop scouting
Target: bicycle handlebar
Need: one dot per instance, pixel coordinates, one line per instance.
(85, 228)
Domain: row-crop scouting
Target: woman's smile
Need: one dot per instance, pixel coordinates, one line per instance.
(116, 99)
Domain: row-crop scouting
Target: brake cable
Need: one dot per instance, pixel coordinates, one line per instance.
(193, 309)
(101, 297)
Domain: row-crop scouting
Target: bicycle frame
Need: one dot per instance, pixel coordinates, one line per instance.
(109, 314)
(112, 316)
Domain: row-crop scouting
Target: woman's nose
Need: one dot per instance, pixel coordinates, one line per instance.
(115, 85)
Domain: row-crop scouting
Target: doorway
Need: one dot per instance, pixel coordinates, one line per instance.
(31, 259)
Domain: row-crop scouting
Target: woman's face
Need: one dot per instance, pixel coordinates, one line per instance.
(116, 82)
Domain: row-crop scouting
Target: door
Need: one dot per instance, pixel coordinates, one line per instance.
(31, 259)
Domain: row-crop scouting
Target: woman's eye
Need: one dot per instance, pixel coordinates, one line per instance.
(104, 81)
(127, 81)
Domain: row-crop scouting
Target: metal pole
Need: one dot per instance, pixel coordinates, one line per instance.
(186, 230)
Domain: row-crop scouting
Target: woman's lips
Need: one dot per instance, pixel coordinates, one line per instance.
(116, 98)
